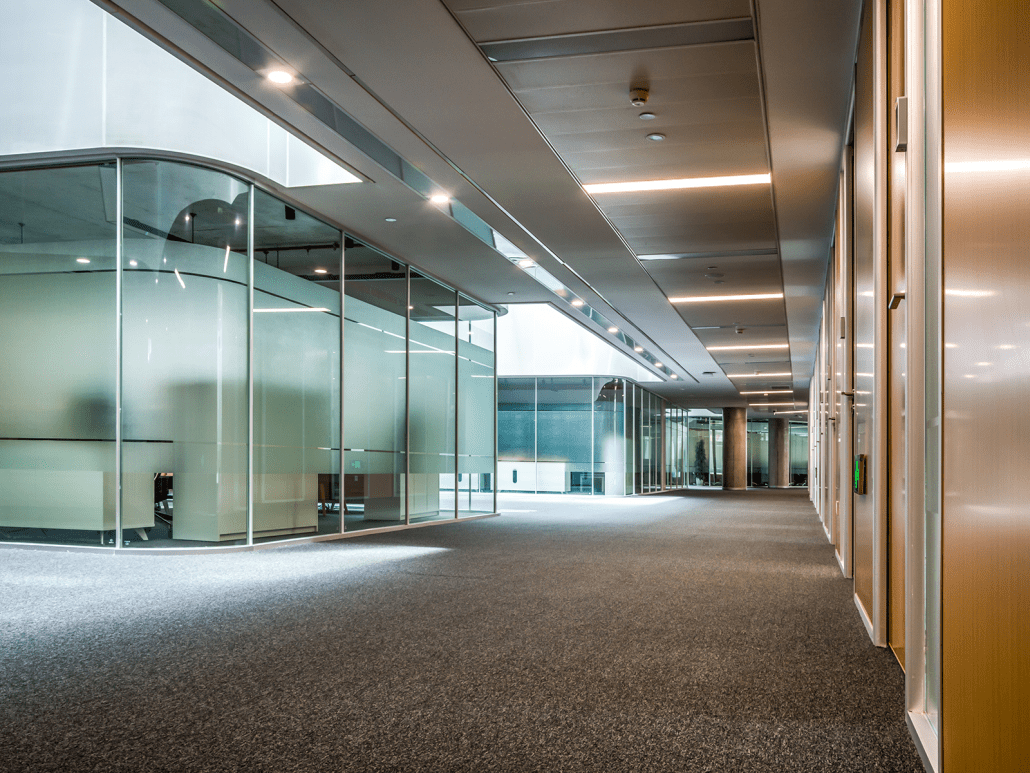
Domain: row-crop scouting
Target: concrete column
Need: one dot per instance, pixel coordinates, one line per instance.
(779, 453)
(734, 448)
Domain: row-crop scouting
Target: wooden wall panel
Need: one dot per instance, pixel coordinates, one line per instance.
(986, 426)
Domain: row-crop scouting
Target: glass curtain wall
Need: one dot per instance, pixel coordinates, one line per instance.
(375, 388)
(184, 366)
(432, 409)
(675, 463)
(758, 452)
(58, 246)
(211, 414)
(296, 329)
(704, 450)
(476, 407)
(798, 454)
(583, 435)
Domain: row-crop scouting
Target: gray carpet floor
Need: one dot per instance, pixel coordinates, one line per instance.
(705, 632)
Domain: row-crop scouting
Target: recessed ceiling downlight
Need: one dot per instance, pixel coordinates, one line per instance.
(656, 136)
(647, 116)
(280, 76)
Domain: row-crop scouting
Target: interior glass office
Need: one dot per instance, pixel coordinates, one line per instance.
(192, 361)
(596, 435)
(704, 449)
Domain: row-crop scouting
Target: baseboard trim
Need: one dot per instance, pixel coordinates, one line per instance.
(925, 740)
(865, 619)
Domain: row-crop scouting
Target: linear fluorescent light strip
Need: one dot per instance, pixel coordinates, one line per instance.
(303, 308)
(746, 348)
(760, 375)
(670, 185)
(707, 298)
(770, 392)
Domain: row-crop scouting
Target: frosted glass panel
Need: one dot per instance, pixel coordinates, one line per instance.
(296, 485)
(476, 408)
(375, 385)
(431, 482)
(184, 351)
(57, 336)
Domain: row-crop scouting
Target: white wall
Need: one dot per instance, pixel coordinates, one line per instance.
(77, 78)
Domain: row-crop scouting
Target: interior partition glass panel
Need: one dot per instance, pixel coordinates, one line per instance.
(798, 454)
(704, 449)
(57, 338)
(564, 427)
(758, 453)
(375, 387)
(516, 435)
(476, 406)
(609, 430)
(184, 355)
(431, 400)
(297, 268)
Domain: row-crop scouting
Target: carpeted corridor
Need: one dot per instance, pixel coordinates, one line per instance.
(705, 632)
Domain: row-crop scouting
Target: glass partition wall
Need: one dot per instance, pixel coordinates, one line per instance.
(191, 361)
(595, 435)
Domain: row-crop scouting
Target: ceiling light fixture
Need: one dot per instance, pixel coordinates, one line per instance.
(760, 375)
(656, 136)
(440, 198)
(525, 263)
(668, 185)
(707, 298)
(638, 349)
(739, 348)
(82, 260)
(767, 405)
(321, 271)
(613, 329)
(280, 76)
(391, 220)
(297, 309)
(658, 365)
(770, 392)
(647, 116)
(577, 302)
(674, 376)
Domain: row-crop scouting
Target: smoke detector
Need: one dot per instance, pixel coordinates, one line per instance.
(638, 96)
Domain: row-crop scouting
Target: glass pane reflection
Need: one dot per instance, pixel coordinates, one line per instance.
(57, 379)
(184, 354)
(375, 388)
(296, 485)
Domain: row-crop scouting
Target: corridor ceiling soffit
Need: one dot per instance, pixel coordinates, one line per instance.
(395, 43)
(419, 61)
(423, 87)
(808, 55)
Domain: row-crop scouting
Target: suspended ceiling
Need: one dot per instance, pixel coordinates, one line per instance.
(512, 106)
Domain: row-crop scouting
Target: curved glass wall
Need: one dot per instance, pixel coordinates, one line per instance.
(58, 302)
(191, 361)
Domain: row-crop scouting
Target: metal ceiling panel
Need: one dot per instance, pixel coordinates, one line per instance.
(627, 68)
(608, 41)
(688, 89)
(511, 19)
